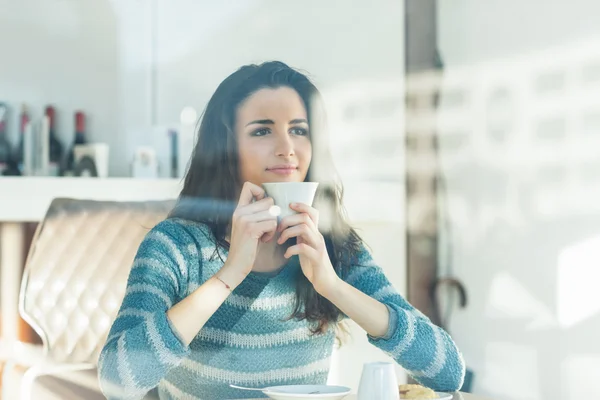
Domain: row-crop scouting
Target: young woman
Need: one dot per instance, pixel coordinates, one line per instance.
(221, 292)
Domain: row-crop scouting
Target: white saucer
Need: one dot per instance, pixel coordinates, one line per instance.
(307, 392)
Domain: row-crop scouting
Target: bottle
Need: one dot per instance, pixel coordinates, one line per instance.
(79, 139)
(174, 153)
(5, 151)
(56, 148)
(20, 154)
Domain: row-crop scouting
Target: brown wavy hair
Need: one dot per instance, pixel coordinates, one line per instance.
(212, 182)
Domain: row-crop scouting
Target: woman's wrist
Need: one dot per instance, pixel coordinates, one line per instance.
(230, 276)
(330, 290)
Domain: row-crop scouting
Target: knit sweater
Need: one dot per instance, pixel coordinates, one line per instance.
(249, 340)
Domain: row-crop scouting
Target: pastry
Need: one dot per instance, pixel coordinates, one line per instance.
(416, 392)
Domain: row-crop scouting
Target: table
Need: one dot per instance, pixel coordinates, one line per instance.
(457, 396)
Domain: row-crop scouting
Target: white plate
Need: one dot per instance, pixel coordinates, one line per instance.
(307, 392)
(443, 396)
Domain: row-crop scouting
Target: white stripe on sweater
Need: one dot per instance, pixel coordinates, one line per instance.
(255, 341)
(359, 270)
(192, 250)
(261, 303)
(207, 252)
(146, 288)
(165, 355)
(263, 377)
(129, 312)
(175, 392)
(409, 336)
(151, 262)
(439, 359)
(123, 370)
(383, 292)
(174, 250)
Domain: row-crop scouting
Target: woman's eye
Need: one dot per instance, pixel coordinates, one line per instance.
(261, 132)
(299, 131)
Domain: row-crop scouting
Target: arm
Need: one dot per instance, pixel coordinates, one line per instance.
(153, 328)
(150, 334)
(425, 350)
(372, 315)
(251, 221)
(202, 304)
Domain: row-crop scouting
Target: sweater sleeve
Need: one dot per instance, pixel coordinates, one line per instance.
(143, 345)
(424, 350)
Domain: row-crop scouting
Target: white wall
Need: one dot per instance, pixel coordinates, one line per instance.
(134, 65)
(520, 135)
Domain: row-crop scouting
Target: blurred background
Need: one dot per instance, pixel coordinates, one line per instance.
(466, 133)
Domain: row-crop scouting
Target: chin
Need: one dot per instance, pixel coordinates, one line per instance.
(280, 179)
(283, 178)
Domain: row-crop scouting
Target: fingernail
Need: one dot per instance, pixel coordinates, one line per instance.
(275, 211)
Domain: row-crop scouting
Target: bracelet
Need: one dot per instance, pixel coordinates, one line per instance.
(224, 283)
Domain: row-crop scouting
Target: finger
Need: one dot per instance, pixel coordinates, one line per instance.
(256, 207)
(250, 191)
(302, 249)
(300, 231)
(305, 208)
(260, 216)
(267, 237)
(260, 228)
(296, 219)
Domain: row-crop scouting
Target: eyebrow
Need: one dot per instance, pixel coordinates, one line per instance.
(270, 121)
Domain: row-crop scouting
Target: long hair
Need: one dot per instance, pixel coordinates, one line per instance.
(212, 182)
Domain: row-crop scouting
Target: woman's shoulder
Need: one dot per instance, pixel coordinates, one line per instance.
(354, 251)
(363, 256)
(185, 232)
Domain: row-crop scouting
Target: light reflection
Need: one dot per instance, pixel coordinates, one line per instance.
(519, 382)
(522, 193)
(578, 276)
(188, 116)
(509, 299)
(581, 374)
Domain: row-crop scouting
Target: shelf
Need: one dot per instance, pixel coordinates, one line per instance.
(26, 199)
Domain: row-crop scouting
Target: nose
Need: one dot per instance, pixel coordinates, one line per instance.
(284, 146)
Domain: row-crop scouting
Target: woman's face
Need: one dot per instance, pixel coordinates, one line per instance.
(273, 137)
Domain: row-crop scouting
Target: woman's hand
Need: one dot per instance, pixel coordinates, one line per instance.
(251, 223)
(310, 247)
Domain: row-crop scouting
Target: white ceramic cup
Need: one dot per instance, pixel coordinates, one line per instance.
(378, 382)
(284, 193)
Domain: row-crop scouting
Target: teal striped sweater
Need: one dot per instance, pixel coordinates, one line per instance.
(249, 340)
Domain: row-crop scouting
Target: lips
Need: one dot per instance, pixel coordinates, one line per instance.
(283, 169)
